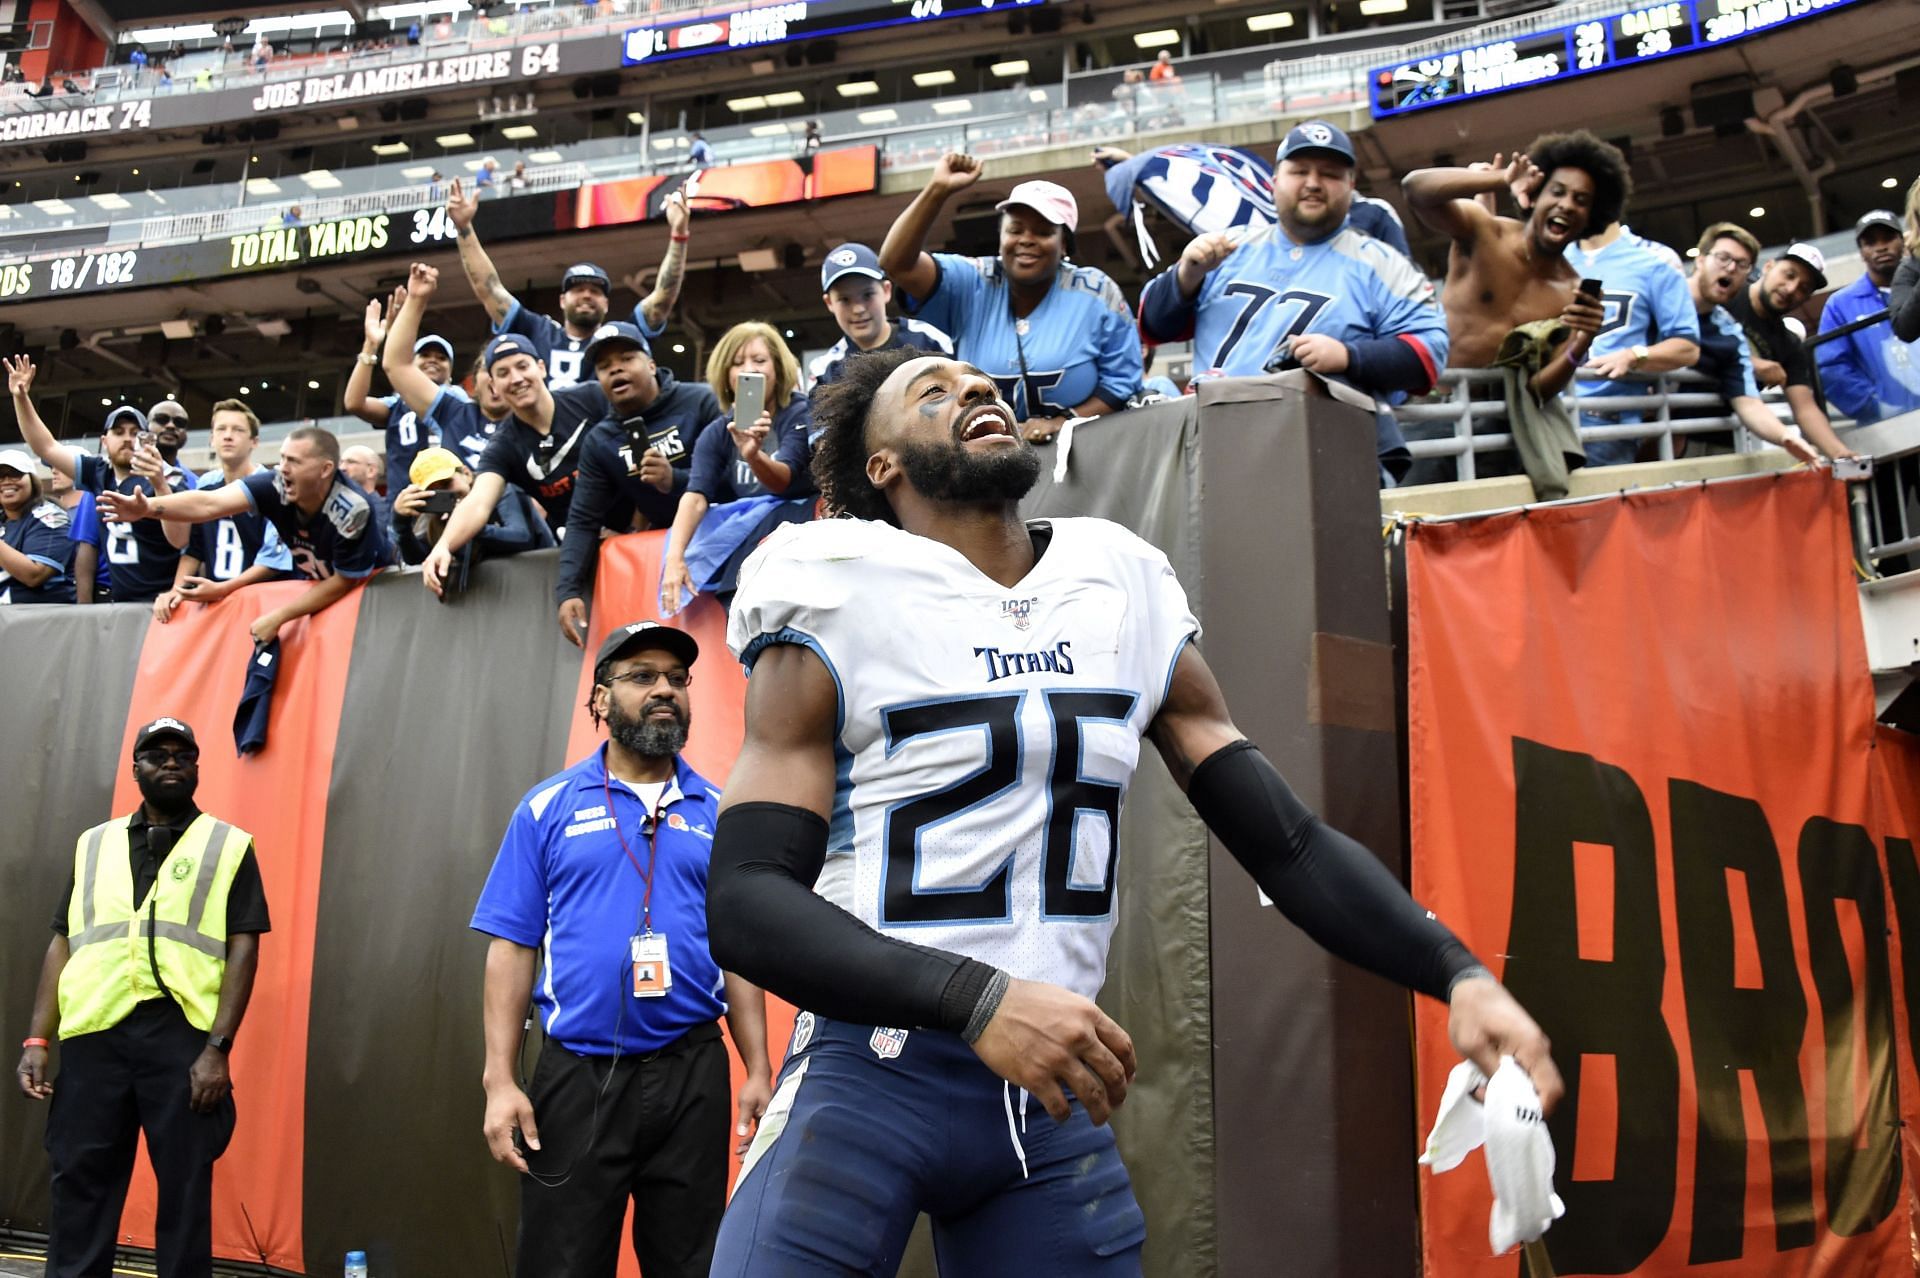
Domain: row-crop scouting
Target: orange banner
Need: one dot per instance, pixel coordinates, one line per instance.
(194, 668)
(627, 589)
(1645, 789)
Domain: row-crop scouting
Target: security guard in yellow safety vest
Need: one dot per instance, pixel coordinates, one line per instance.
(146, 980)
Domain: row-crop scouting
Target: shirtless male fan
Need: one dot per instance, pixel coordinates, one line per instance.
(1502, 272)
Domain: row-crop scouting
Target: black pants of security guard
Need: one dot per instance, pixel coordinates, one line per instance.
(651, 1128)
(113, 1085)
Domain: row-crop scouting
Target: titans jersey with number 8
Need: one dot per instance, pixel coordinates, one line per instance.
(986, 734)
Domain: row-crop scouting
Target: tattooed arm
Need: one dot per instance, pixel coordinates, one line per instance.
(493, 295)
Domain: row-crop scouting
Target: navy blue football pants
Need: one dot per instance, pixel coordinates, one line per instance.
(869, 1128)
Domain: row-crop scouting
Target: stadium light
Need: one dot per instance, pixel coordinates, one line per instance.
(787, 97)
(451, 140)
(321, 180)
(768, 130)
(884, 115)
(1887, 183)
(636, 117)
(106, 403)
(743, 105)
(1757, 211)
(517, 132)
(1007, 70)
(312, 384)
(262, 186)
(1036, 95)
(545, 157)
(1374, 8)
(1270, 21)
(859, 89)
(417, 171)
(110, 201)
(932, 79)
(57, 207)
(392, 148)
(953, 106)
(1167, 35)
(679, 348)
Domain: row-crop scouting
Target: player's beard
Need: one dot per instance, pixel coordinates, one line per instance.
(948, 472)
(646, 736)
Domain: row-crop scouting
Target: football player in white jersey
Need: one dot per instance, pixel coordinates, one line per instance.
(944, 710)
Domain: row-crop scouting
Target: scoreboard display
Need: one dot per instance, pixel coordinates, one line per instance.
(779, 23)
(1600, 44)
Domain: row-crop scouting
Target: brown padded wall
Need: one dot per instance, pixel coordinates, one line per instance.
(1312, 1066)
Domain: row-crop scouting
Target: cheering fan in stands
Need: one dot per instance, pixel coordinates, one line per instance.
(856, 292)
(1058, 339)
(537, 448)
(1511, 297)
(168, 418)
(1779, 356)
(751, 468)
(325, 520)
(409, 425)
(438, 483)
(240, 549)
(584, 291)
(1375, 324)
(1874, 372)
(36, 555)
(143, 554)
(634, 464)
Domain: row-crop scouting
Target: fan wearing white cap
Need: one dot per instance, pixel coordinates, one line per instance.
(1057, 339)
(36, 554)
(1779, 355)
(585, 292)
(409, 426)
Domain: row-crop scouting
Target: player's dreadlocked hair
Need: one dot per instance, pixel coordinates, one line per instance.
(1601, 161)
(840, 416)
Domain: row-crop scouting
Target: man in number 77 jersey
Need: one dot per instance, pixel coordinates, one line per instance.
(944, 710)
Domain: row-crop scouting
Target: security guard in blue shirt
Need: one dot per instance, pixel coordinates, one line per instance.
(600, 889)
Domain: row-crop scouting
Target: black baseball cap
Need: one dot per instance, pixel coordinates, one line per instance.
(1879, 217)
(164, 726)
(646, 634)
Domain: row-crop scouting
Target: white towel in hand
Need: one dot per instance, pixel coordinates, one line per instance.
(1519, 1160)
(1519, 1152)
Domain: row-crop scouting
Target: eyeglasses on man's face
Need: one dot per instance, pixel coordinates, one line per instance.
(157, 756)
(647, 678)
(166, 419)
(1727, 259)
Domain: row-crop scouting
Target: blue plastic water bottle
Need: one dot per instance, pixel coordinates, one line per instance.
(356, 1264)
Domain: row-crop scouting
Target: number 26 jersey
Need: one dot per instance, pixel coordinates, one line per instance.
(986, 735)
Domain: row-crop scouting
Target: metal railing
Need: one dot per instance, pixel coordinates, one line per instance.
(1477, 421)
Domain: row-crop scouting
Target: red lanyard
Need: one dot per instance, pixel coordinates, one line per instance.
(653, 838)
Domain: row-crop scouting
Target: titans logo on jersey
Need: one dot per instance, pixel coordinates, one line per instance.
(982, 769)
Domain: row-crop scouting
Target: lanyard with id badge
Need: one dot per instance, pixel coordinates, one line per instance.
(652, 973)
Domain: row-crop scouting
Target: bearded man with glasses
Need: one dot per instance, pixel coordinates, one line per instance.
(1723, 265)
(600, 890)
(146, 981)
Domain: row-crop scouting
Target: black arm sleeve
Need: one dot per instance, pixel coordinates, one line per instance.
(765, 923)
(1331, 887)
(1903, 299)
(580, 548)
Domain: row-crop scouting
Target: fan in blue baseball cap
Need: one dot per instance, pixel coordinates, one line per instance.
(586, 291)
(857, 292)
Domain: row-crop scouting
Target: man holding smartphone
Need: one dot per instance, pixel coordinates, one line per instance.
(634, 463)
(438, 481)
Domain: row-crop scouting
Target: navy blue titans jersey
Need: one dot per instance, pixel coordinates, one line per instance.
(42, 535)
(343, 537)
(719, 475)
(911, 334)
(228, 547)
(139, 558)
(1270, 290)
(1079, 342)
(544, 465)
(407, 433)
(464, 430)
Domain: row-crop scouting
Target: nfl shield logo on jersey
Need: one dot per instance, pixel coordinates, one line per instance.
(1018, 611)
(886, 1043)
